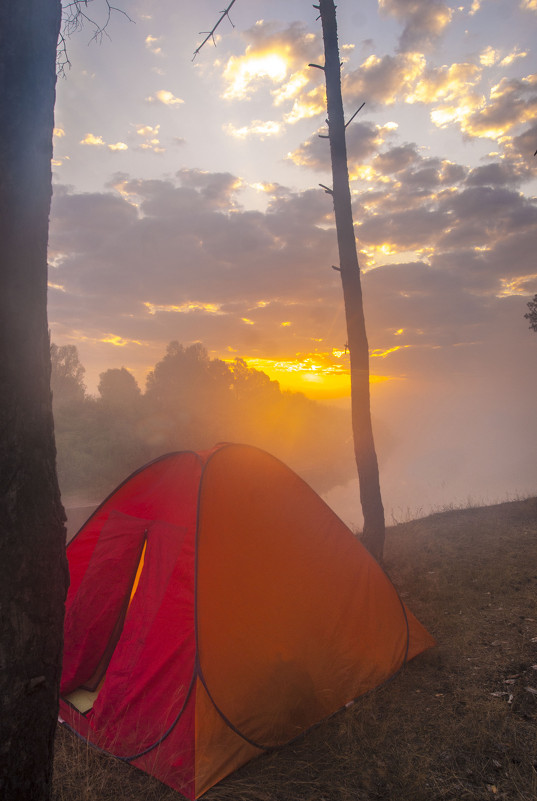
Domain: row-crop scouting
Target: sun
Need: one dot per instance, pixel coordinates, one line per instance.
(242, 72)
(320, 376)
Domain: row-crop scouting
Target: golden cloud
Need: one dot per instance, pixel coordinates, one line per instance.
(379, 353)
(444, 84)
(148, 130)
(521, 285)
(97, 141)
(117, 341)
(255, 128)
(184, 308)
(310, 105)
(150, 134)
(151, 44)
(511, 57)
(489, 56)
(166, 97)
(512, 102)
(291, 88)
(458, 112)
(92, 140)
(244, 73)
(385, 80)
(278, 58)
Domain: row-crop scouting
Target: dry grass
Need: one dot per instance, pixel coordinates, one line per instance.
(458, 724)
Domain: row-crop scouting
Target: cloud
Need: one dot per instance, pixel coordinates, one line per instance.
(258, 128)
(150, 136)
(363, 140)
(308, 105)
(166, 97)
(453, 94)
(184, 308)
(276, 60)
(407, 77)
(151, 42)
(97, 141)
(512, 102)
(396, 159)
(520, 149)
(494, 174)
(449, 245)
(510, 58)
(243, 74)
(444, 84)
(219, 189)
(92, 140)
(383, 80)
(424, 21)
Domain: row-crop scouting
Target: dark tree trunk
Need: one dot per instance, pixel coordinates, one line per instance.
(364, 447)
(33, 575)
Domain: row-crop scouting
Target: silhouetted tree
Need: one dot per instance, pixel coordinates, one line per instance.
(364, 446)
(532, 314)
(189, 396)
(118, 388)
(67, 375)
(33, 575)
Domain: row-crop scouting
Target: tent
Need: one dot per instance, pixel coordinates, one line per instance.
(217, 609)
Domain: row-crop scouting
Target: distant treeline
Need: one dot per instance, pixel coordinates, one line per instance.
(191, 402)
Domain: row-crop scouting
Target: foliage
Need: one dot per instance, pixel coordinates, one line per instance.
(190, 402)
(118, 389)
(532, 314)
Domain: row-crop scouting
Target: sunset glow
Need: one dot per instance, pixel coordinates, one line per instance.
(189, 206)
(318, 376)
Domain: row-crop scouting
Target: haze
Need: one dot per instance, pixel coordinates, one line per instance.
(187, 207)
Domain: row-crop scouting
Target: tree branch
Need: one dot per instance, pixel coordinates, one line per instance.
(74, 18)
(210, 34)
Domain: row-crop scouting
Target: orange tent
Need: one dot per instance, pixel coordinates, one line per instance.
(217, 609)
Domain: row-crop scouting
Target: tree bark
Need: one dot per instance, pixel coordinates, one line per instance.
(33, 573)
(364, 446)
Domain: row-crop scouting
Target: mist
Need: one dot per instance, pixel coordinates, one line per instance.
(465, 442)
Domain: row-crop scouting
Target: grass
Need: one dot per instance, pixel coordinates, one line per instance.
(458, 724)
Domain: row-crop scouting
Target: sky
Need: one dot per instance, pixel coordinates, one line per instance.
(187, 207)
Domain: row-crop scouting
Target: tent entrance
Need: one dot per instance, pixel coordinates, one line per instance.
(83, 698)
(95, 621)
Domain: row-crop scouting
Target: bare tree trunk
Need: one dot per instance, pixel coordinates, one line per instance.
(364, 447)
(33, 575)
